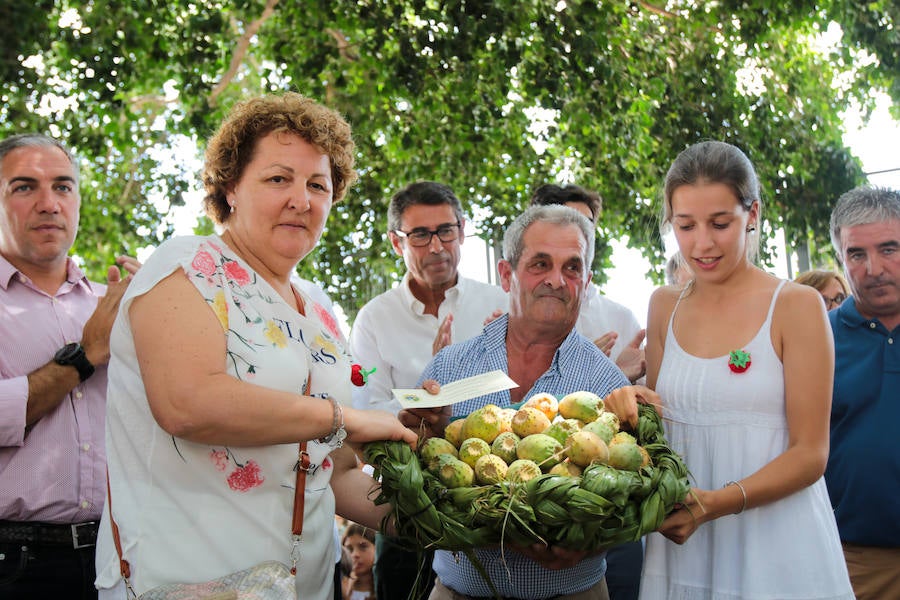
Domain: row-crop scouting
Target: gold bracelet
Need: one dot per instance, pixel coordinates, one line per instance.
(743, 493)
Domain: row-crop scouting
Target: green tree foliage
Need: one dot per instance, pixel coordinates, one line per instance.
(491, 97)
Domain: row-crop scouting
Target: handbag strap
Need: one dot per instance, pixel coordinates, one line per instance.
(302, 470)
(300, 498)
(124, 567)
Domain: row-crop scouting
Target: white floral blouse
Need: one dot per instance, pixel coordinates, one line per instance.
(192, 512)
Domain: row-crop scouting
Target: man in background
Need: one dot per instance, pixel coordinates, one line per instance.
(397, 332)
(863, 472)
(54, 347)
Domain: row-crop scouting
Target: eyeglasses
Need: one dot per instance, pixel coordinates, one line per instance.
(420, 236)
(837, 300)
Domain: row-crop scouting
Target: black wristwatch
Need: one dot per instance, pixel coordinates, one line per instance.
(73, 355)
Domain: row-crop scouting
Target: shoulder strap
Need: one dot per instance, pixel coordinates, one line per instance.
(774, 300)
(302, 468)
(300, 490)
(124, 567)
(681, 296)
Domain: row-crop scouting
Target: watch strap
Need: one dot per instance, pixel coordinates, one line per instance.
(75, 357)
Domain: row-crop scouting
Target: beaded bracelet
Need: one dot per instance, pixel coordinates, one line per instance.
(743, 493)
(335, 439)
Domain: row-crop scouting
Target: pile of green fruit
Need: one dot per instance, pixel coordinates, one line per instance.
(553, 471)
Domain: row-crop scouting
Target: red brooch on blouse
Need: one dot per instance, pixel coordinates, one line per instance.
(360, 376)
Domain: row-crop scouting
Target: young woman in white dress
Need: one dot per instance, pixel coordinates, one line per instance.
(742, 363)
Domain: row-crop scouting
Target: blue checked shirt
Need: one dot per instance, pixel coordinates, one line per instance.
(577, 365)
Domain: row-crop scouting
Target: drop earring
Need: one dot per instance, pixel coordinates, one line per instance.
(232, 209)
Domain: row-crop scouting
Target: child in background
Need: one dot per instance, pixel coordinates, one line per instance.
(358, 544)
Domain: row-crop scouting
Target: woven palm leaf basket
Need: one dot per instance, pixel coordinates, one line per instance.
(600, 508)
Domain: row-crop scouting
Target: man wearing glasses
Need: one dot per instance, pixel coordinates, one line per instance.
(398, 331)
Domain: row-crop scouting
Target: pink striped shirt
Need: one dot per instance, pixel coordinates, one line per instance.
(56, 472)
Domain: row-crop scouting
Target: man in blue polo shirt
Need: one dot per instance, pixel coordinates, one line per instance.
(863, 473)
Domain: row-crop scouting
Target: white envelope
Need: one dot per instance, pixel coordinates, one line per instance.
(457, 391)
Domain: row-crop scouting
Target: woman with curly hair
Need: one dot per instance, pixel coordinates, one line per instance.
(221, 367)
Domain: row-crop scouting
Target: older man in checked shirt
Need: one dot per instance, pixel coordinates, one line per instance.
(546, 268)
(54, 346)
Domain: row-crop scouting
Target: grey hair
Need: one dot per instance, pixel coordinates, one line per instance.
(861, 206)
(715, 162)
(554, 214)
(36, 140)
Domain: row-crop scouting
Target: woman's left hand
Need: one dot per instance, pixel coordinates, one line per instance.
(686, 518)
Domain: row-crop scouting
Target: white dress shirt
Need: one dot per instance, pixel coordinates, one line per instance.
(601, 315)
(393, 334)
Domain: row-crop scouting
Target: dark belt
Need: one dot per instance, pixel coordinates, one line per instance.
(79, 535)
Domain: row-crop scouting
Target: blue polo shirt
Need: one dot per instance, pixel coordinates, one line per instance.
(863, 473)
(577, 365)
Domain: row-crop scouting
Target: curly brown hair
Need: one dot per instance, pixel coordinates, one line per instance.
(232, 147)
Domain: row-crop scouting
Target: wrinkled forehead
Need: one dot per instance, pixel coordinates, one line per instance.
(427, 216)
(558, 241)
(871, 235)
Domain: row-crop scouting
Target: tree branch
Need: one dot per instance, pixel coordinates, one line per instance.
(153, 100)
(660, 11)
(669, 15)
(240, 51)
(342, 44)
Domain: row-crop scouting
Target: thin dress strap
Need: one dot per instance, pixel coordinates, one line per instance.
(689, 285)
(774, 298)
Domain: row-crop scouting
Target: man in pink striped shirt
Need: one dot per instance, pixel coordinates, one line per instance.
(54, 346)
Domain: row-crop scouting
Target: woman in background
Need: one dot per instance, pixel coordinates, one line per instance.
(832, 286)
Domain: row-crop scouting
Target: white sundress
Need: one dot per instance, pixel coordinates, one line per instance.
(727, 426)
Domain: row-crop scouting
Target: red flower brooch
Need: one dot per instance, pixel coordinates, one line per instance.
(360, 376)
(738, 361)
